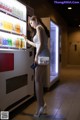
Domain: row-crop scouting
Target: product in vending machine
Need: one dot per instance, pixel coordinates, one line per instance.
(1, 5)
(21, 14)
(0, 40)
(17, 43)
(4, 7)
(14, 11)
(3, 41)
(7, 25)
(17, 28)
(10, 9)
(6, 41)
(4, 24)
(10, 26)
(21, 29)
(0, 24)
(22, 43)
(9, 41)
(13, 42)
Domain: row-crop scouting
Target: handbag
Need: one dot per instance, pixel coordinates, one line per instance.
(43, 60)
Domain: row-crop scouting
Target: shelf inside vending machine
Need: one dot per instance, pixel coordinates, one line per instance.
(18, 11)
(12, 41)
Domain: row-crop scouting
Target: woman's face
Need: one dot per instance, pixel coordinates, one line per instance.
(33, 24)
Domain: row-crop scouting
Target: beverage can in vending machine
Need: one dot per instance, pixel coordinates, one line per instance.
(9, 41)
(0, 40)
(22, 43)
(17, 43)
(3, 41)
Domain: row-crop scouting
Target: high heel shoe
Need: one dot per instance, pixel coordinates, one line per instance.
(41, 111)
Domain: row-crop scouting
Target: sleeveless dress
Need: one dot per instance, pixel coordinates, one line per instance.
(44, 41)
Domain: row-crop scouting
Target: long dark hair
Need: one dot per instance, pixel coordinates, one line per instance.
(34, 18)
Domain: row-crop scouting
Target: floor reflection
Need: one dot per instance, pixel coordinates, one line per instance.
(42, 117)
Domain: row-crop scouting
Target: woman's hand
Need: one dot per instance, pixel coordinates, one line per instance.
(36, 59)
(25, 37)
(28, 41)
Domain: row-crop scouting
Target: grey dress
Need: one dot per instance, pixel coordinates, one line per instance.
(44, 39)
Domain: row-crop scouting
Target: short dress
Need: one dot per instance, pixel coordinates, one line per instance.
(44, 39)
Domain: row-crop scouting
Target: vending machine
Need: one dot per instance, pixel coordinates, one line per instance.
(16, 75)
(52, 71)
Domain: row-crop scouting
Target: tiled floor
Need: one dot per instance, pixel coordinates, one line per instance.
(63, 102)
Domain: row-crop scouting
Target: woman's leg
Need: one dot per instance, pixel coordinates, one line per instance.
(39, 73)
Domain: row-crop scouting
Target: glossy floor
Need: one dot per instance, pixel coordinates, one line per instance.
(63, 102)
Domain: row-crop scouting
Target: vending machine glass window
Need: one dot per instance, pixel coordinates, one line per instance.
(12, 25)
(54, 50)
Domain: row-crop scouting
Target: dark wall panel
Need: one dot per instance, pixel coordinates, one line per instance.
(16, 82)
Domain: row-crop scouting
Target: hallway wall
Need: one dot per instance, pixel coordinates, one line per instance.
(74, 48)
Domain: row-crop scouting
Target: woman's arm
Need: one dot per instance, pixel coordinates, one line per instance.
(39, 31)
(29, 42)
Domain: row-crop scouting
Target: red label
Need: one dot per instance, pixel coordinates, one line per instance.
(6, 62)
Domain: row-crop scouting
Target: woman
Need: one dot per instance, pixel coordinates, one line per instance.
(40, 42)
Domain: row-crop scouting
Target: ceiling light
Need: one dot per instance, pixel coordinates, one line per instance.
(79, 25)
(69, 8)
